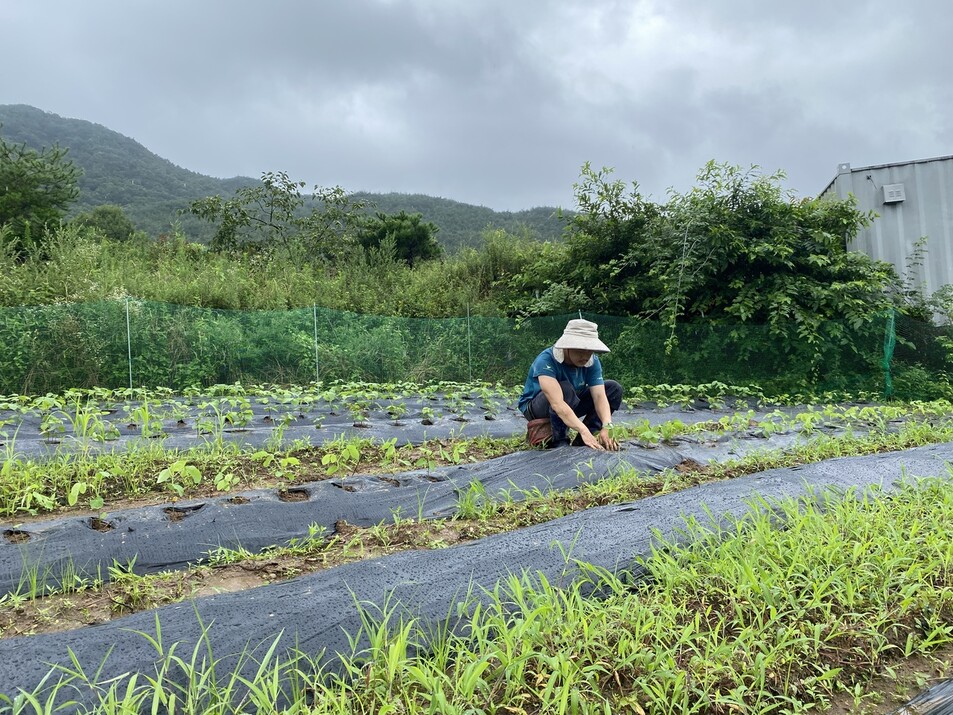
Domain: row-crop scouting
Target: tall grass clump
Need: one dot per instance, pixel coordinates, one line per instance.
(747, 617)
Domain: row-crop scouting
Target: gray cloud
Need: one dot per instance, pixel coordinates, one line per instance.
(491, 101)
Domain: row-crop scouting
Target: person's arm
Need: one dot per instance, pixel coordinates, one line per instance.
(601, 403)
(554, 393)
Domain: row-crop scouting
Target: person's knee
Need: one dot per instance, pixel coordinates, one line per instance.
(613, 394)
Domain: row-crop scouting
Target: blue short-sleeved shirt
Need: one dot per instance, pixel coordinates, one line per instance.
(547, 365)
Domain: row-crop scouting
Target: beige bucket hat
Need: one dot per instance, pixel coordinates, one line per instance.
(581, 335)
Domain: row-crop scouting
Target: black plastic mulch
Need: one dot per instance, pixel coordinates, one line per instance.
(316, 613)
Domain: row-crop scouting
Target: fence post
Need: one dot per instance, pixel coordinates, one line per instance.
(317, 376)
(469, 349)
(890, 341)
(128, 342)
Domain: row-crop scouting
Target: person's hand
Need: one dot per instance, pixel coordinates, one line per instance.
(593, 442)
(605, 440)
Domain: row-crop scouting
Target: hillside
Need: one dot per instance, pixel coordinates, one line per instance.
(152, 190)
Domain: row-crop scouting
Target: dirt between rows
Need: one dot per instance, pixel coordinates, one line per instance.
(126, 594)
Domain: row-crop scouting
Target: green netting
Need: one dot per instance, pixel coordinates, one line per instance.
(890, 343)
(921, 359)
(105, 344)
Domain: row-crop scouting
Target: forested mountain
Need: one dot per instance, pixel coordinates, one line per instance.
(461, 224)
(152, 190)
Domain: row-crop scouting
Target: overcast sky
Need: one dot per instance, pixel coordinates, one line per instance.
(494, 102)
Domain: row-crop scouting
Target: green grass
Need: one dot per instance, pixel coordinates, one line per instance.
(748, 618)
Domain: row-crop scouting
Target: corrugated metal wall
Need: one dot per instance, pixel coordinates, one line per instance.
(927, 210)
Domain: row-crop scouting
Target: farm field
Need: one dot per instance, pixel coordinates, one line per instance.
(338, 534)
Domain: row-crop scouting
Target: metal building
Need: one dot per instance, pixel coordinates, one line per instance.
(912, 199)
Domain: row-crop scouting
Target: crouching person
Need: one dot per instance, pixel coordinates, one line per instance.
(565, 389)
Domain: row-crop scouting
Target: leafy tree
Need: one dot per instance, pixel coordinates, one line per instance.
(36, 189)
(109, 221)
(462, 225)
(262, 214)
(768, 276)
(327, 230)
(414, 240)
(612, 218)
(272, 216)
(735, 249)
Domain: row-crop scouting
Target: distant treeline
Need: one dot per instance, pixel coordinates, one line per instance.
(154, 192)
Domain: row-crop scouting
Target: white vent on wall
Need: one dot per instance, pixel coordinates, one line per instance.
(894, 193)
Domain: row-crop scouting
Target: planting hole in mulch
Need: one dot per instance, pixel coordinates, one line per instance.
(239, 500)
(293, 494)
(688, 465)
(178, 513)
(15, 536)
(345, 487)
(98, 524)
(388, 480)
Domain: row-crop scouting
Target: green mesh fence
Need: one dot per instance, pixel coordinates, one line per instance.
(109, 344)
(922, 357)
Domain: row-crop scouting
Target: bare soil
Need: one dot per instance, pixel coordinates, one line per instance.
(126, 594)
(895, 685)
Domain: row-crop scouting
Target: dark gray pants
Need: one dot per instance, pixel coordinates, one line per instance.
(581, 404)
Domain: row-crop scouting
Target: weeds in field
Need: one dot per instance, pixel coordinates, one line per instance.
(148, 419)
(483, 514)
(747, 618)
(474, 502)
(342, 454)
(283, 467)
(180, 476)
(32, 486)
